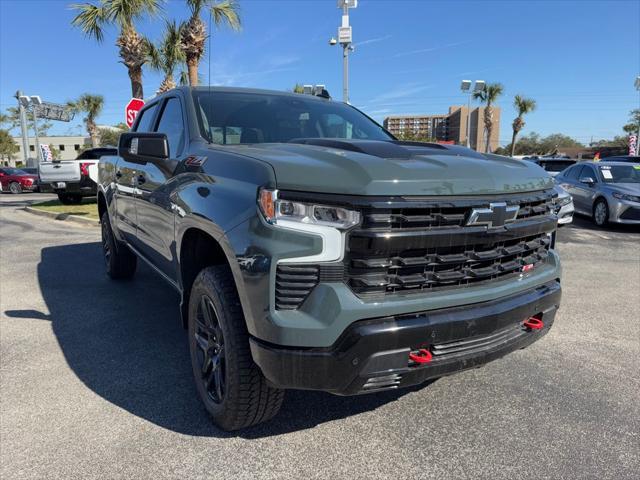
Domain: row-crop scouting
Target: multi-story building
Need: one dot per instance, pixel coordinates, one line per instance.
(67, 147)
(451, 127)
(420, 126)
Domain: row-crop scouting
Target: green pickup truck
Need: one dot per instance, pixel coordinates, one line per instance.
(313, 250)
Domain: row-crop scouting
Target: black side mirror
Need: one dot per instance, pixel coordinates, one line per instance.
(587, 180)
(139, 147)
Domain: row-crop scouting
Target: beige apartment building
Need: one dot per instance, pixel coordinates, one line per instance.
(67, 146)
(451, 127)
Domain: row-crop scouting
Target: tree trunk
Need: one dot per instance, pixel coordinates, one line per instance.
(192, 65)
(135, 74)
(513, 142)
(94, 134)
(488, 123)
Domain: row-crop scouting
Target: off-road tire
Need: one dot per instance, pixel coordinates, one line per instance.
(247, 399)
(70, 198)
(597, 219)
(15, 188)
(120, 262)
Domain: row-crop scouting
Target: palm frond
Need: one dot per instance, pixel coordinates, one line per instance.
(226, 12)
(90, 19)
(125, 12)
(523, 105)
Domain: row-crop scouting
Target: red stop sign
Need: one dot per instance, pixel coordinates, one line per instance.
(131, 110)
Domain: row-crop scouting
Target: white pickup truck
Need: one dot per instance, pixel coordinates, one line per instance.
(73, 179)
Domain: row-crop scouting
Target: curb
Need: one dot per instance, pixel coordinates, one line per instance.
(64, 217)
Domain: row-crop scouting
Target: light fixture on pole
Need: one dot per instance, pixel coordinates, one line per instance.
(465, 86)
(345, 40)
(33, 101)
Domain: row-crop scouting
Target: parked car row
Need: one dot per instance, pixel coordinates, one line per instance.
(605, 191)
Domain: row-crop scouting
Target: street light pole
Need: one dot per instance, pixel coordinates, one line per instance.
(465, 86)
(23, 128)
(345, 40)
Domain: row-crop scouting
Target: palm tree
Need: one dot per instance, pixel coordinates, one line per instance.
(92, 106)
(167, 55)
(92, 19)
(194, 33)
(488, 95)
(523, 105)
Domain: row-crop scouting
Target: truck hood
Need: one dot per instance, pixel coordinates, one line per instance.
(360, 167)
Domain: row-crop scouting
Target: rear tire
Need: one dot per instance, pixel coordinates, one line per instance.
(601, 213)
(70, 198)
(15, 188)
(120, 262)
(229, 383)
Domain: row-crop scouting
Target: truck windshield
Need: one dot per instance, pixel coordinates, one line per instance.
(240, 118)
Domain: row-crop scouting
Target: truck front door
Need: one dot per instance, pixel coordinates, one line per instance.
(156, 238)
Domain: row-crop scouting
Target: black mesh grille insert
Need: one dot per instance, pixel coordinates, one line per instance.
(442, 267)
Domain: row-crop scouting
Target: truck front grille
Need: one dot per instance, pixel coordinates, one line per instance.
(417, 213)
(419, 249)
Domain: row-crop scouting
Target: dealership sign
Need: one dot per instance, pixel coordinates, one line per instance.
(633, 145)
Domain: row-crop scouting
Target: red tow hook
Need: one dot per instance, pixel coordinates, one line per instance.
(423, 356)
(533, 323)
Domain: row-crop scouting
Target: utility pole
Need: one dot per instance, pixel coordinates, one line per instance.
(23, 128)
(345, 40)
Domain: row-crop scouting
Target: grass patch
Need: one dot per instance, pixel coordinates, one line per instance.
(88, 208)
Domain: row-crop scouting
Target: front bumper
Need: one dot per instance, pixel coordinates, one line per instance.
(565, 215)
(623, 211)
(373, 355)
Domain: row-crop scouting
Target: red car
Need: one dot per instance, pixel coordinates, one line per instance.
(15, 180)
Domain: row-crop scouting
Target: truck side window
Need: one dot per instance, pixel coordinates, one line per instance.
(172, 125)
(146, 117)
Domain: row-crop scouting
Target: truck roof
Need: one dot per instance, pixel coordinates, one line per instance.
(259, 91)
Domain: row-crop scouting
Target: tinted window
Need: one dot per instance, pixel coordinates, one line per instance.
(146, 117)
(572, 172)
(588, 171)
(172, 125)
(229, 117)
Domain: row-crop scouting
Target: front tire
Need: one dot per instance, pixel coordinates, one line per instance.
(601, 213)
(229, 383)
(70, 198)
(15, 188)
(120, 262)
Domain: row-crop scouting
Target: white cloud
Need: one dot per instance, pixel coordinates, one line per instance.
(372, 40)
(430, 49)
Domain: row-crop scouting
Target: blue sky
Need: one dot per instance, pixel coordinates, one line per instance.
(577, 59)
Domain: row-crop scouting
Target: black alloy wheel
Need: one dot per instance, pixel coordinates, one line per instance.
(209, 343)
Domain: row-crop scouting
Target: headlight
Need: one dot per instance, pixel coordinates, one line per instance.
(562, 201)
(275, 209)
(624, 196)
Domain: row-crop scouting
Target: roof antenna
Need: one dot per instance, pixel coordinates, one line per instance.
(209, 79)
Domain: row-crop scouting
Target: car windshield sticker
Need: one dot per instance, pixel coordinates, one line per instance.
(607, 174)
(637, 167)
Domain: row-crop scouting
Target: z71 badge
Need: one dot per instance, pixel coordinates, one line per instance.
(195, 161)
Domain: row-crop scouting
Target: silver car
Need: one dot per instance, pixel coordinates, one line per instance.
(564, 206)
(605, 191)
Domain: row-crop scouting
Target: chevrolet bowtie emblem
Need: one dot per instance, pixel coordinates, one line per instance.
(497, 215)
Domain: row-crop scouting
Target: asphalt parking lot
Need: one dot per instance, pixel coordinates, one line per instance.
(95, 382)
